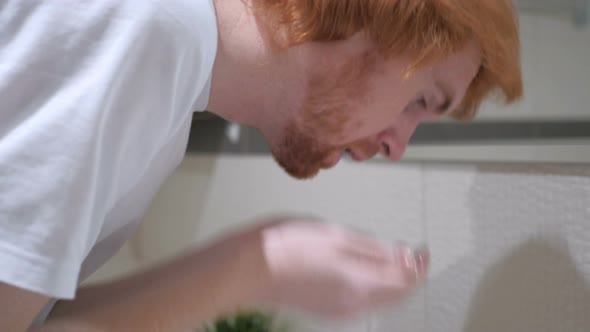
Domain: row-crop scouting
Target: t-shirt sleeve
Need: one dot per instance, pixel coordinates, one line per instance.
(85, 100)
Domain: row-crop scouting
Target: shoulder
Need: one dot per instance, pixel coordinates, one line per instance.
(193, 21)
(193, 14)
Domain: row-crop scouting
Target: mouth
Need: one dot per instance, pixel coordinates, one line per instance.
(332, 160)
(353, 155)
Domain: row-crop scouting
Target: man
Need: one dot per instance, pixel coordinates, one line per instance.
(96, 106)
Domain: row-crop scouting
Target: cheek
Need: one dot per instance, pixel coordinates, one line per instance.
(339, 99)
(382, 107)
(356, 104)
(369, 120)
(367, 124)
(349, 123)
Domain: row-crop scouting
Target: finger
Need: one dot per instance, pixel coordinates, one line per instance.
(413, 263)
(398, 280)
(404, 268)
(365, 245)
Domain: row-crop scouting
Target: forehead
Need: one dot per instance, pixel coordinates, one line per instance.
(455, 71)
(461, 67)
(355, 64)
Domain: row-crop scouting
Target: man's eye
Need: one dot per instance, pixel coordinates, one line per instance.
(418, 104)
(421, 102)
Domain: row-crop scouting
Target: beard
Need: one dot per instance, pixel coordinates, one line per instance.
(303, 152)
(302, 155)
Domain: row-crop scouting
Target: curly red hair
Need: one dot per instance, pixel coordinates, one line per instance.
(428, 29)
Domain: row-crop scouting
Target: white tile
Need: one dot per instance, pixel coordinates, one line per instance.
(298, 322)
(494, 109)
(556, 71)
(562, 62)
(503, 251)
(382, 199)
(451, 238)
(407, 316)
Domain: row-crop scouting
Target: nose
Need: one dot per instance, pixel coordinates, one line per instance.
(390, 147)
(393, 141)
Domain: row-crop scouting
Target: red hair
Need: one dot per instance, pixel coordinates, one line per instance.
(428, 29)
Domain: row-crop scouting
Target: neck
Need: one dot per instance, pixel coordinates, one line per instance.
(240, 79)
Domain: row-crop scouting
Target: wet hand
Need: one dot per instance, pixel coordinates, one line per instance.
(334, 272)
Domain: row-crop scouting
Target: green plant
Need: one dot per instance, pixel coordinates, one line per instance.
(247, 321)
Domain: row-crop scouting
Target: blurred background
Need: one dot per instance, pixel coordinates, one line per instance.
(503, 203)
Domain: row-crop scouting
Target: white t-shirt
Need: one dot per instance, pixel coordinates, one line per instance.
(96, 99)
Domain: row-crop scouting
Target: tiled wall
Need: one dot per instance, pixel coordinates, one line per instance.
(556, 69)
(510, 244)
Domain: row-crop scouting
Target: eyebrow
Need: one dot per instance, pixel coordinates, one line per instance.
(449, 97)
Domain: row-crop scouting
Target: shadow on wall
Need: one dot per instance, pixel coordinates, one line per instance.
(527, 269)
(535, 286)
(519, 293)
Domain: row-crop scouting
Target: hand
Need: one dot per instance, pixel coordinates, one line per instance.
(334, 272)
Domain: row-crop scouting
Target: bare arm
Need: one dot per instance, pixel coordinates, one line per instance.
(18, 307)
(179, 296)
(322, 269)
